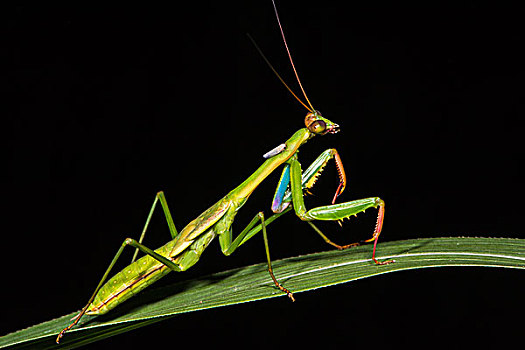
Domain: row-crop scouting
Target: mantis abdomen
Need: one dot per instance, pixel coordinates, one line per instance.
(144, 272)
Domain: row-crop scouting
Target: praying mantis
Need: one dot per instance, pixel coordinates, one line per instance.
(186, 246)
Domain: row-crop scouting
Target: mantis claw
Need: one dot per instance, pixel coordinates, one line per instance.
(338, 192)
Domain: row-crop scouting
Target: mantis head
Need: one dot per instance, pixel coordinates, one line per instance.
(318, 125)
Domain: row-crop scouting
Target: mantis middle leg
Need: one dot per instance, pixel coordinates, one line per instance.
(228, 246)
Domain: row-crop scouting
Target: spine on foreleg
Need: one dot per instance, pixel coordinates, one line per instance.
(343, 210)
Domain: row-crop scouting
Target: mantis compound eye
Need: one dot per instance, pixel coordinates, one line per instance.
(311, 117)
(317, 127)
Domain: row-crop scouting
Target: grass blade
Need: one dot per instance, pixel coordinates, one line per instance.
(250, 283)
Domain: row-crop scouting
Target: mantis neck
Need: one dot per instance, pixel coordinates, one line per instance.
(243, 191)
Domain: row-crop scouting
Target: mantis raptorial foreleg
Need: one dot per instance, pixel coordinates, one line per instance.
(301, 181)
(283, 195)
(334, 211)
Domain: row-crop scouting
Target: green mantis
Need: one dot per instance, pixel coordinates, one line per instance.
(186, 246)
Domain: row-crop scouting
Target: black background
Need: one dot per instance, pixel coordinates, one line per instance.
(106, 106)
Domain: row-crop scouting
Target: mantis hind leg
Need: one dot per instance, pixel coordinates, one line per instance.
(173, 231)
(130, 242)
(139, 246)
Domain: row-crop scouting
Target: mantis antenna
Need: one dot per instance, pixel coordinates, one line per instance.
(291, 60)
(277, 74)
(310, 108)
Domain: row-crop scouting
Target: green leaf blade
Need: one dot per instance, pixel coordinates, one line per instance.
(299, 274)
